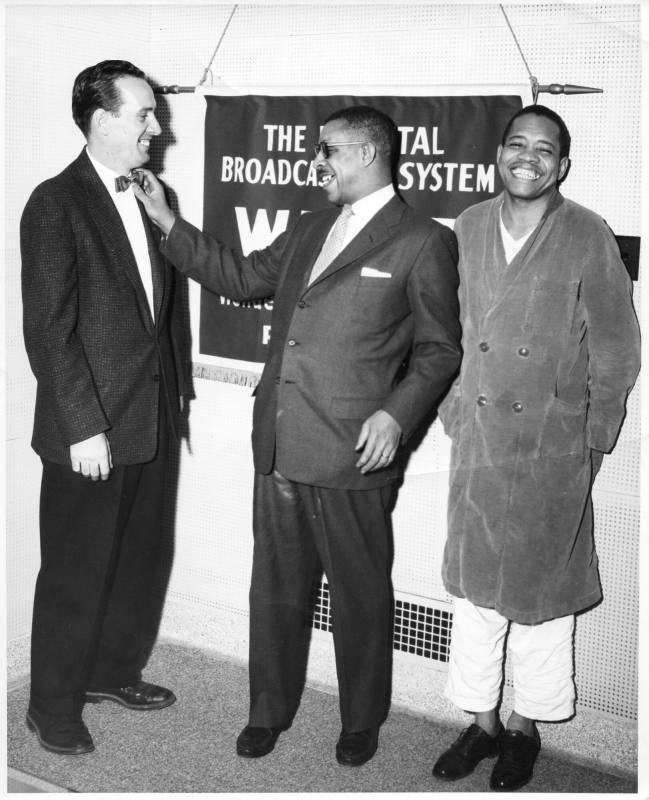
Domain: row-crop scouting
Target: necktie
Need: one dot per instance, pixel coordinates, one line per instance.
(122, 182)
(333, 244)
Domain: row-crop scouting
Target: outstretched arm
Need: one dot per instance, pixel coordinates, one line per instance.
(217, 267)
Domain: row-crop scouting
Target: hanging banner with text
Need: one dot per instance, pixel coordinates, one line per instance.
(259, 177)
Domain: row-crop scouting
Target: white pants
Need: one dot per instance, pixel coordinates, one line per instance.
(542, 663)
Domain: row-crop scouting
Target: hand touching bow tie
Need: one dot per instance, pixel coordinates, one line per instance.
(124, 181)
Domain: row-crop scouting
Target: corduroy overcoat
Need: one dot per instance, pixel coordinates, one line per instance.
(551, 351)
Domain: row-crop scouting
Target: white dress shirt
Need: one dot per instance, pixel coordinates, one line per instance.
(127, 206)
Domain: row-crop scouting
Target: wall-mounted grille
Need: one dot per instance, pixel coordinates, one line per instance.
(321, 607)
(418, 629)
(422, 630)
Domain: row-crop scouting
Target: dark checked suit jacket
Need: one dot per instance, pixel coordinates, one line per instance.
(99, 359)
(338, 347)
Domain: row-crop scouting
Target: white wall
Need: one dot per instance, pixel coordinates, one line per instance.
(313, 45)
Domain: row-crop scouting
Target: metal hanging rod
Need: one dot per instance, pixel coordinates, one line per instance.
(551, 88)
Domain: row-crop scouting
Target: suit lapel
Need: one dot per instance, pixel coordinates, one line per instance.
(102, 210)
(377, 230)
(307, 251)
(519, 267)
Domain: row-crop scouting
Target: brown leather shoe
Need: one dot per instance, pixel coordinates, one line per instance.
(354, 749)
(464, 755)
(255, 742)
(515, 764)
(66, 735)
(141, 696)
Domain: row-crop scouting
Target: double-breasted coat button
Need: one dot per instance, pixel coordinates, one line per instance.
(483, 346)
(517, 407)
(301, 304)
(291, 343)
(523, 351)
(482, 400)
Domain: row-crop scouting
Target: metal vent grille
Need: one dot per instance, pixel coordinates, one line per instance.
(321, 607)
(418, 629)
(422, 630)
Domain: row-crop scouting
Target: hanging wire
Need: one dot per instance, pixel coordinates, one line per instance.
(208, 68)
(552, 88)
(175, 89)
(533, 81)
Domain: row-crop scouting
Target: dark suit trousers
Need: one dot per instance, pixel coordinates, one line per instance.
(298, 531)
(100, 551)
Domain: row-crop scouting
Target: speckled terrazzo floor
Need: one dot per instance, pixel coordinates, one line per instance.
(189, 747)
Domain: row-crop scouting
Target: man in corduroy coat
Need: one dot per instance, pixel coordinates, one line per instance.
(105, 338)
(551, 351)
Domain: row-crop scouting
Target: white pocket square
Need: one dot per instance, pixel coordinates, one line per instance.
(370, 272)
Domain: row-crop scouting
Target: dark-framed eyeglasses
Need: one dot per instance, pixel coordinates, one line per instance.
(326, 147)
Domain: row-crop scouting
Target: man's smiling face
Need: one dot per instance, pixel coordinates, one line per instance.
(129, 132)
(528, 161)
(341, 174)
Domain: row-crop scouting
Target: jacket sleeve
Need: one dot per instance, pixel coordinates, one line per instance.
(221, 269)
(613, 340)
(436, 353)
(50, 299)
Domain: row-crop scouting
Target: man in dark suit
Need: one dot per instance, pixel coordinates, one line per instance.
(104, 335)
(330, 413)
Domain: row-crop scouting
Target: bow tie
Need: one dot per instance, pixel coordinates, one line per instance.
(122, 182)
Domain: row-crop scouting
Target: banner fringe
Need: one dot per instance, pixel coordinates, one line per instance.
(239, 377)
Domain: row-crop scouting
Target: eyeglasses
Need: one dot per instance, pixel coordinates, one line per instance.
(325, 147)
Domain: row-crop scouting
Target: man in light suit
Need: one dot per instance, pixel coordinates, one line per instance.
(104, 335)
(330, 413)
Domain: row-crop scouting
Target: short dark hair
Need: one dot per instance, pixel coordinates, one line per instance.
(372, 124)
(94, 87)
(548, 113)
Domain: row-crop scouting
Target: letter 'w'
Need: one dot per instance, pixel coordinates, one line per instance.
(261, 234)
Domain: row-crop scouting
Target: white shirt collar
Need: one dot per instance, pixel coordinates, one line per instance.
(367, 206)
(106, 174)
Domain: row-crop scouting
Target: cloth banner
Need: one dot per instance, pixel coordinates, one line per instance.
(259, 177)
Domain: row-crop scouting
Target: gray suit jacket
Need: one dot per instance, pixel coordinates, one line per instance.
(98, 357)
(338, 347)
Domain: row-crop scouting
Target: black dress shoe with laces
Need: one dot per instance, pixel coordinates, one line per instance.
(66, 735)
(141, 696)
(354, 749)
(515, 765)
(464, 755)
(255, 742)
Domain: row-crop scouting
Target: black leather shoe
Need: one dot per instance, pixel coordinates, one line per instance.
(515, 764)
(141, 696)
(256, 742)
(65, 735)
(464, 755)
(354, 749)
